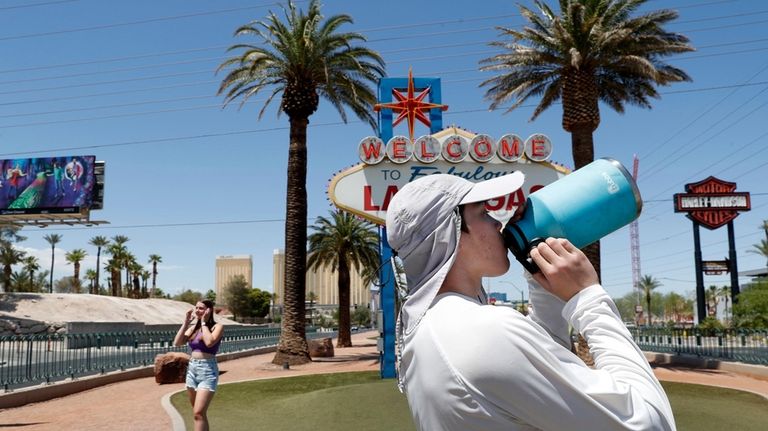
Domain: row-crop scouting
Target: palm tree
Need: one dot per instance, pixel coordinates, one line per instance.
(647, 284)
(75, 257)
(99, 242)
(31, 264)
(762, 247)
(595, 50)
(115, 265)
(343, 242)
(154, 259)
(302, 56)
(135, 269)
(713, 298)
(144, 279)
(92, 277)
(9, 256)
(52, 239)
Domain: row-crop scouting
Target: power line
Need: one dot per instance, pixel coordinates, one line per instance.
(129, 23)
(26, 6)
(192, 108)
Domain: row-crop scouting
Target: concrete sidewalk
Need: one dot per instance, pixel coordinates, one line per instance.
(136, 404)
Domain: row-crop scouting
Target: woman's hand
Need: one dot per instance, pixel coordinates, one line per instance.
(189, 314)
(206, 314)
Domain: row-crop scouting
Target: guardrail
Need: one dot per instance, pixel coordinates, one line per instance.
(28, 360)
(742, 345)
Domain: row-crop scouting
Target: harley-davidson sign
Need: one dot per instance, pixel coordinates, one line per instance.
(712, 202)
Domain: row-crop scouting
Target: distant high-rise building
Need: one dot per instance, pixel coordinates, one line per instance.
(324, 283)
(230, 266)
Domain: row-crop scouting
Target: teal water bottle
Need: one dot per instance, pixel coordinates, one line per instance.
(582, 207)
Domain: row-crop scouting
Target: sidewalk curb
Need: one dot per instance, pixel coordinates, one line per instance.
(177, 422)
(759, 372)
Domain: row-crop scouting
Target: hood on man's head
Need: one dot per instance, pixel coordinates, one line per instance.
(423, 227)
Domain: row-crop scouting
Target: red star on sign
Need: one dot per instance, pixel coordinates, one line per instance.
(410, 107)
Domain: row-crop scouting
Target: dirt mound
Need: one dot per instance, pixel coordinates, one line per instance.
(69, 307)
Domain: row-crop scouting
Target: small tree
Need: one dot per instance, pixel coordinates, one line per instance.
(236, 295)
(752, 309)
(361, 316)
(190, 296)
(259, 302)
(210, 295)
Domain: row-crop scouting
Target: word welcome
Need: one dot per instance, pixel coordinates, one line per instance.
(455, 148)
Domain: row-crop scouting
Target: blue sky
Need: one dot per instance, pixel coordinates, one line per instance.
(134, 84)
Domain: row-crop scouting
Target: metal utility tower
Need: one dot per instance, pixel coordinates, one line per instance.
(634, 238)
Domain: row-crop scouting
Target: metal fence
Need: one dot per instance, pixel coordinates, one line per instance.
(35, 359)
(742, 345)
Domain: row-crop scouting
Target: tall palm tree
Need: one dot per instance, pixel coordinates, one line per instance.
(595, 50)
(75, 257)
(144, 280)
(9, 256)
(343, 242)
(52, 239)
(301, 57)
(135, 270)
(154, 259)
(115, 265)
(761, 248)
(31, 264)
(91, 276)
(647, 284)
(99, 242)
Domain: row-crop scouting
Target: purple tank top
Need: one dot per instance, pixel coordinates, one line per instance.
(197, 344)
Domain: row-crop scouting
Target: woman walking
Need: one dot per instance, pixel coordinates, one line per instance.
(203, 372)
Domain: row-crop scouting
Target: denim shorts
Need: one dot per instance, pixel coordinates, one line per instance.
(202, 374)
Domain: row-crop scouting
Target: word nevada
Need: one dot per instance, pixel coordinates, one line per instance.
(455, 149)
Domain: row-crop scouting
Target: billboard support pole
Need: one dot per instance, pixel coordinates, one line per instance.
(733, 266)
(701, 313)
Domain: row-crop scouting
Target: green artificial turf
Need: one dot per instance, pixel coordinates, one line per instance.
(703, 408)
(341, 401)
(362, 401)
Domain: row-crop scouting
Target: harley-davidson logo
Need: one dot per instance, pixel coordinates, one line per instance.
(712, 202)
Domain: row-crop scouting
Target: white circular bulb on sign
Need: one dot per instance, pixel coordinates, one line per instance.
(538, 147)
(399, 149)
(510, 148)
(371, 150)
(426, 149)
(455, 149)
(482, 148)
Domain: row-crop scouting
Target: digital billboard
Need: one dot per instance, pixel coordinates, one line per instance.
(48, 185)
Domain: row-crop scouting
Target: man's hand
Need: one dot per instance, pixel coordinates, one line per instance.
(565, 270)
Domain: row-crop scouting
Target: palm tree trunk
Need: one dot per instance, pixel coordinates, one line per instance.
(345, 337)
(95, 287)
(293, 346)
(50, 286)
(77, 277)
(648, 304)
(154, 280)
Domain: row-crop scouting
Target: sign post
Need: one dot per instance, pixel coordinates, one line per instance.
(712, 203)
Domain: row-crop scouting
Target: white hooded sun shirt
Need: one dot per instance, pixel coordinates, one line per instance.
(467, 365)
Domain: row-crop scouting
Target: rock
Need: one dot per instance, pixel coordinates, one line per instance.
(322, 348)
(171, 367)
